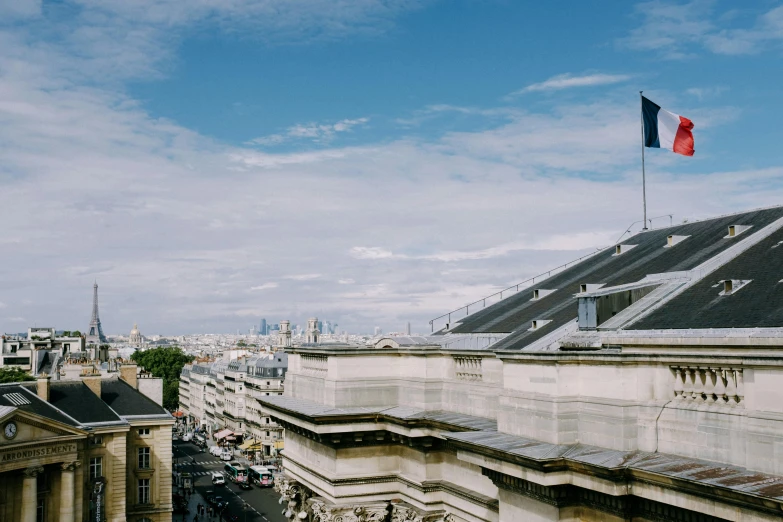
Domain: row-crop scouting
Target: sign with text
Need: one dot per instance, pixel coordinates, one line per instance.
(38, 452)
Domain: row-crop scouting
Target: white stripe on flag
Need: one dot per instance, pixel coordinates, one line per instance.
(668, 123)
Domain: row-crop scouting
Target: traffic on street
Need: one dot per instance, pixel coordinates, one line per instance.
(235, 501)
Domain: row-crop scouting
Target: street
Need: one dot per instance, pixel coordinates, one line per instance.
(261, 503)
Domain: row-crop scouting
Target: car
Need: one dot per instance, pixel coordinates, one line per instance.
(218, 479)
(187, 437)
(225, 454)
(245, 485)
(215, 450)
(217, 501)
(174, 436)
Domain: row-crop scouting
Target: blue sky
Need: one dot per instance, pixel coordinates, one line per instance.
(372, 162)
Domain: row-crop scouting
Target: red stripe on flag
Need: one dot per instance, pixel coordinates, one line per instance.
(683, 140)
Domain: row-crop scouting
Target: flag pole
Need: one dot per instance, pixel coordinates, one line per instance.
(644, 183)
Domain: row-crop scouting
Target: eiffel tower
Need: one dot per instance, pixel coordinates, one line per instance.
(95, 333)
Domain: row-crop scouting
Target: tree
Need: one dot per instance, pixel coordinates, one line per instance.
(165, 362)
(12, 374)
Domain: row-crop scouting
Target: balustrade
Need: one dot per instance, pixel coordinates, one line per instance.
(468, 368)
(314, 364)
(718, 385)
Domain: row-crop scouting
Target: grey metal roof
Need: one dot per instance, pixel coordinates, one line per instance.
(21, 396)
(127, 400)
(516, 313)
(80, 402)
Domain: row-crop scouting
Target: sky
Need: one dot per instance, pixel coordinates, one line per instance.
(368, 162)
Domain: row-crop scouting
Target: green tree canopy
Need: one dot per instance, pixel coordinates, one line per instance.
(165, 362)
(12, 374)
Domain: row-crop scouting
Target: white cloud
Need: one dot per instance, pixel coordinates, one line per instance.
(265, 286)
(303, 277)
(317, 133)
(679, 31)
(186, 233)
(569, 81)
(360, 252)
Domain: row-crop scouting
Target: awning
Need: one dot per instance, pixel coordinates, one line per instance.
(222, 434)
(178, 414)
(246, 445)
(231, 437)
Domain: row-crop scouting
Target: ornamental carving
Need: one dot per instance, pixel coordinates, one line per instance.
(325, 512)
(70, 466)
(293, 495)
(404, 512)
(32, 472)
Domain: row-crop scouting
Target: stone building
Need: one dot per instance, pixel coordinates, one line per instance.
(92, 449)
(225, 394)
(41, 351)
(642, 383)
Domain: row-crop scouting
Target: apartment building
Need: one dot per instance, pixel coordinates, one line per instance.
(224, 395)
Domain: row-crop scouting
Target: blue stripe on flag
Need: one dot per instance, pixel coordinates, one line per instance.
(650, 117)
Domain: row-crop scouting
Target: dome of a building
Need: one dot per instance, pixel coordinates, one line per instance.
(135, 336)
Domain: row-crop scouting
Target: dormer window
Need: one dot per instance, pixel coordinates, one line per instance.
(673, 240)
(735, 230)
(540, 293)
(622, 249)
(732, 286)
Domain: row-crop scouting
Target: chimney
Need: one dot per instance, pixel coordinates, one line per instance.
(128, 374)
(728, 286)
(43, 387)
(92, 380)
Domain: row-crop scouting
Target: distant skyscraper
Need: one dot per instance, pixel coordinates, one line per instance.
(321, 326)
(408, 328)
(262, 330)
(95, 332)
(378, 330)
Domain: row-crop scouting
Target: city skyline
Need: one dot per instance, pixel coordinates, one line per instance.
(377, 165)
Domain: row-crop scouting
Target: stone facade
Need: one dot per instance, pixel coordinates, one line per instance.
(572, 401)
(55, 468)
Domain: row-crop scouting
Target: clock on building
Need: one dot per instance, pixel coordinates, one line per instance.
(10, 430)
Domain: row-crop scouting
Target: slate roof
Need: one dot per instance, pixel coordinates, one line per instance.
(80, 402)
(668, 467)
(315, 409)
(126, 400)
(756, 305)
(31, 403)
(516, 313)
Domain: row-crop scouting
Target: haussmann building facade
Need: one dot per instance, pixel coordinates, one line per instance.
(643, 383)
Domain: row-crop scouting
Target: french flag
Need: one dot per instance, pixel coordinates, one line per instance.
(666, 130)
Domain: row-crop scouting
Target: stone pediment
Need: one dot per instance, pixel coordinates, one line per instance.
(19, 427)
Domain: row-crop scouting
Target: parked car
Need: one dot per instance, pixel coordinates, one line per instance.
(174, 435)
(226, 454)
(215, 450)
(187, 437)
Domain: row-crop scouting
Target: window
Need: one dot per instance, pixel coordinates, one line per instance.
(144, 458)
(40, 514)
(268, 383)
(144, 491)
(144, 431)
(96, 467)
(267, 434)
(97, 440)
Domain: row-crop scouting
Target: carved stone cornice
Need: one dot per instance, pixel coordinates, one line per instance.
(293, 494)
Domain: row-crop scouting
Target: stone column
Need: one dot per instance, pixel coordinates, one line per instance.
(67, 499)
(30, 493)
